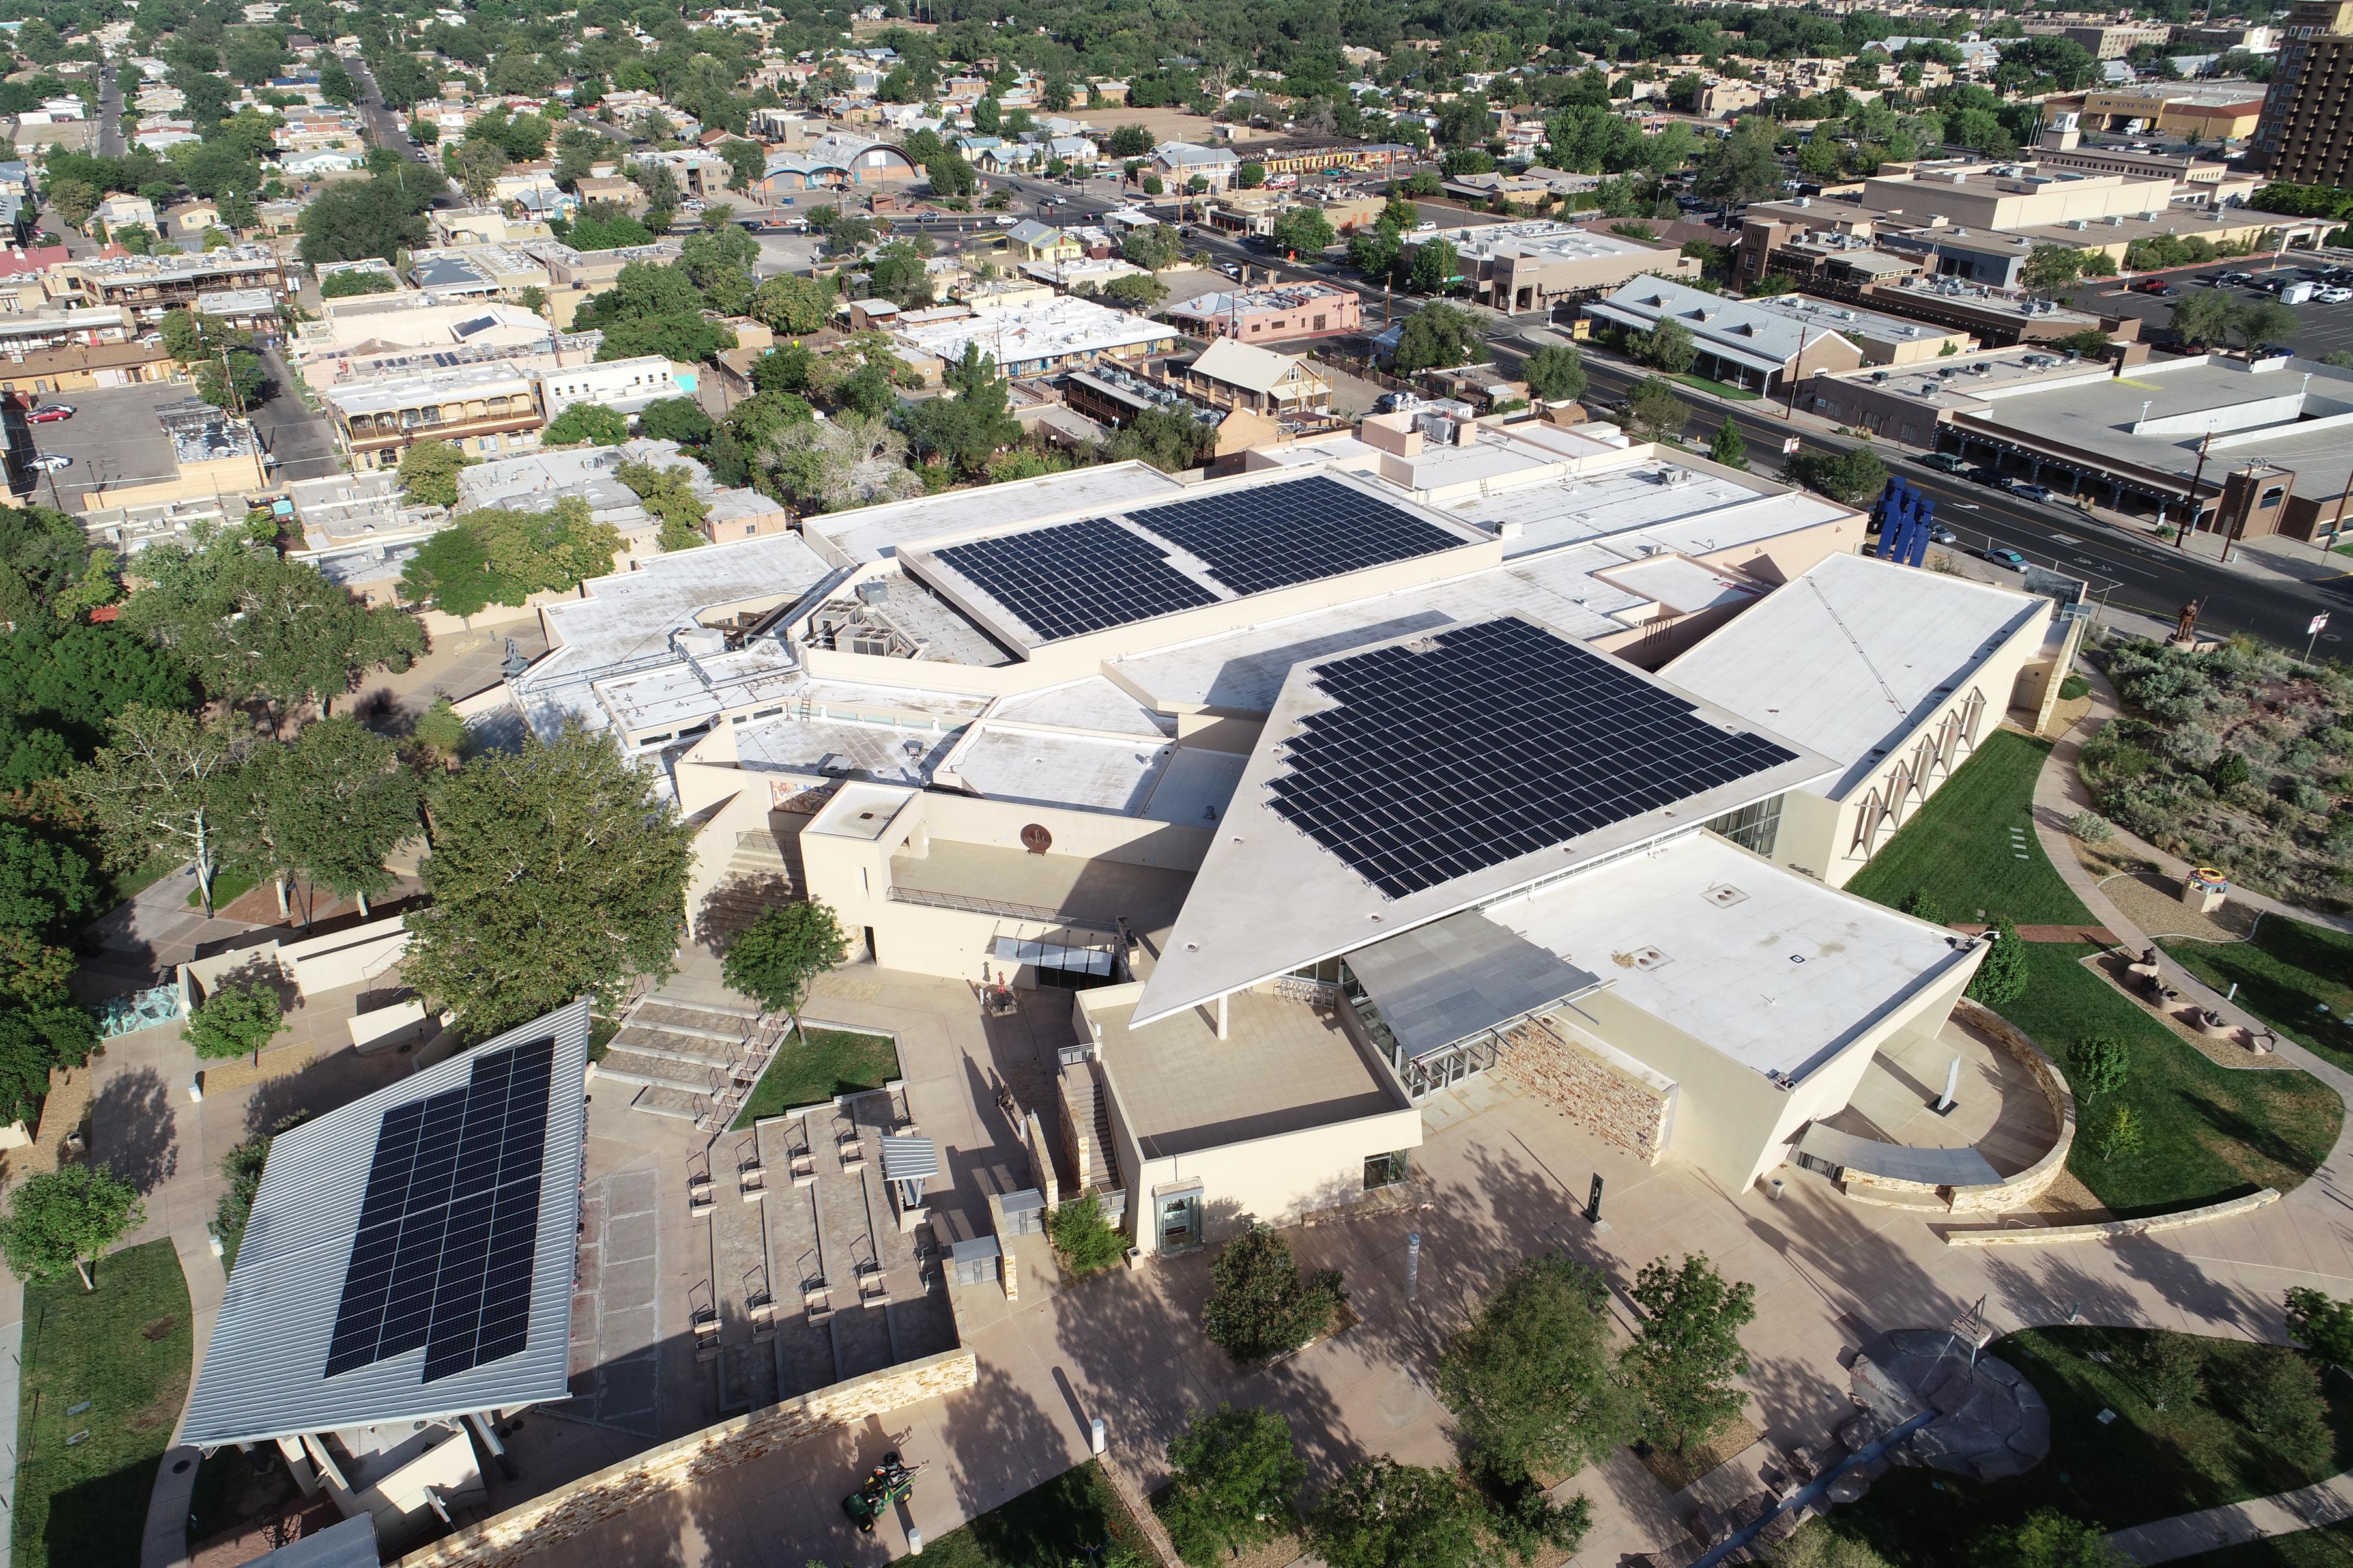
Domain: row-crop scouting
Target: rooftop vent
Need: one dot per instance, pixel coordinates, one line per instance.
(1724, 895)
(1642, 958)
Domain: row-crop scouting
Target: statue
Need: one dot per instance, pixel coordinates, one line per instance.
(2189, 625)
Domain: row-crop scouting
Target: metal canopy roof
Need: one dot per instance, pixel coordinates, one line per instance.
(264, 1369)
(1458, 977)
(351, 1544)
(905, 1159)
(1962, 1167)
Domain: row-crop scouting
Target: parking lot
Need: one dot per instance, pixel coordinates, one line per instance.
(113, 439)
(2320, 328)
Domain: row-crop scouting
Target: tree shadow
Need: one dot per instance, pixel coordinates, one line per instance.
(134, 1129)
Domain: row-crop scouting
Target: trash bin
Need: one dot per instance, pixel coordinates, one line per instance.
(1773, 1188)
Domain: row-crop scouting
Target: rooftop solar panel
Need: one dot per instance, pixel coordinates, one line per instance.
(443, 1254)
(1077, 577)
(1455, 752)
(1275, 535)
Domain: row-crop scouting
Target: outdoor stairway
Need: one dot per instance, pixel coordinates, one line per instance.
(683, 1056)
(1089, 1108)
(764, 870)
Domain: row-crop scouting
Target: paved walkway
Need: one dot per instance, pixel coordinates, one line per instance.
(164, 1543)
(2209, 1529)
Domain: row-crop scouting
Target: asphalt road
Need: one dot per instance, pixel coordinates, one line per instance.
(2130, 573)
(110, 113)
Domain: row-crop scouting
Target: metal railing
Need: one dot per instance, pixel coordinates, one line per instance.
(978, 905)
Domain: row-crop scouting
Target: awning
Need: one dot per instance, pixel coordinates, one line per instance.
(1937, 1167)
(1458, 977)
(1052, 955)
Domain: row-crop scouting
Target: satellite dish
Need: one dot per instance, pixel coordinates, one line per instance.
(1036, 839)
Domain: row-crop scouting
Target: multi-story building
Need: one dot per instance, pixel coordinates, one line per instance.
(152, 285)
(1287, 311)
(484, 408)
(1520, 267)
(2304, 136)
(2211, 110)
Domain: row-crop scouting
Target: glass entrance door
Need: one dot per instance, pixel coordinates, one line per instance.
(1180, 1222)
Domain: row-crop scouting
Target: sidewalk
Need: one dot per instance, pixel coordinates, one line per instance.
(165, 1541)
(2209, 1529)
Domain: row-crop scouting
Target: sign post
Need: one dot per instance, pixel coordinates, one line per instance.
(2312, 634)
(1593, 1202)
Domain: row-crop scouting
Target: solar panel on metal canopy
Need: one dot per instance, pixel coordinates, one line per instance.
(449, 1223)
(1275, 535)
(1078, 577)
(1488, 742)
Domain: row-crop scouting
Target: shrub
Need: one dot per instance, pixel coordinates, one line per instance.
(1233, 1476)
(2169, 1370)
(2072, 687)
(2120, 1134)
(1260, 1305)
(2089, 826)
(1085, 1239)
(2099, 1064)
(587, 421)
(1920, 904)
(236, 1021)
(2279, 1397)
(2001, 976)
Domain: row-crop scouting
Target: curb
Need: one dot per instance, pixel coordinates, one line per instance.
(2115, 1229)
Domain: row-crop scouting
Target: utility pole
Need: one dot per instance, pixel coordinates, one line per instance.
(2181, 534)
(1797, 368)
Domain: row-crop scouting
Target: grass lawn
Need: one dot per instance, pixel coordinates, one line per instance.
(2145, 1465)
(2207, 1132)
(126, 1349)
(1958, 846)
(121, 886)
(818, 1064)
(1046, 1527)
(2285, 974)
(1722, 389)
(232, 884)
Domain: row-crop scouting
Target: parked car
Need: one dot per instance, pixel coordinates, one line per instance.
(1947, 461)
(1006, 220)
(1982, 475)
(2233, 279)
(2026, 490)
(2000, 556)
(49, 414)
(2333, 294)
(1940, 534)
(2151, 286)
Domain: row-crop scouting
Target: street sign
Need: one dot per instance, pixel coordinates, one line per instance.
(2319, 624)
(1790, 446)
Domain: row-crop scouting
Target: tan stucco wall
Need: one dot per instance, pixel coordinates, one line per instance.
(1278, 1179)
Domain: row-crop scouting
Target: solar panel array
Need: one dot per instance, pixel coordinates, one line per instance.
(1274, 536)
(1078, 577)
(450, 1223)
(1499, 741)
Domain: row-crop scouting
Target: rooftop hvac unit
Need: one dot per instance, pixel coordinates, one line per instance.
(873, 593)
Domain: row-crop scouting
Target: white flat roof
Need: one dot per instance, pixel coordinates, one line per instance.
(1778, 979)
(1855, 654)
(1093, 703)
(1270, 898)
(872, 533)
(1148, 778)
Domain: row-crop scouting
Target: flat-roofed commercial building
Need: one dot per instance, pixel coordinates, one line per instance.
(1257, 315)
(1739, 342)
(150, 286)
(1317, 785)
(2212, 111)
(1522, 267)
(485, 408)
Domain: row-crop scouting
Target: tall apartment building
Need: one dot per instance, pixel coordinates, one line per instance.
(2306, 136)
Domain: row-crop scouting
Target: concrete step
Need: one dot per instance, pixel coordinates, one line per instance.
(623, 1067)
(663, 1102)
(744, 1010)
(636, 1043)
(698, 1033)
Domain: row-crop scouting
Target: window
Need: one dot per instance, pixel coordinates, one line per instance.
(1753, 827)
(1386, 1170)
(1319, 323)
(2272, 497)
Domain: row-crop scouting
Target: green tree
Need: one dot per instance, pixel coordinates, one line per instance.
(236, 1020)
(1855, 477)
(2098, 1064)
(439, 733)
(2261, 325)
(1554, 373)
(2049, 1539)
(2051, 267)
(1739, 169)
(2202, 320)
(793, 305)
(332, 805)
(166, 785)
(1153, 246)
(652, 309)
(1169, 441)
(1435, 337)
(73, 201)
(2001, 975)
(1383, 1514)
(1087, 1242)
(65, 1219)
(1303, 231)
(1687, 1350)
(776, 958)
(587, 423)
(40, 1027)
(2169, 1368)
(1654, 410)
(379, 217)
(969, 427)
(2278, 1396)
(1260, 1305)
(557, 872)
(43, 883)
(669, 495)
(1532, 1380)
(899, 275)
(951, 174)
(1668, 345)
(678, 419)
(1728, 448)
(2322, 1325)
(1234, 1478)
(428, 473)
(1436, 267)
(2119, 1134)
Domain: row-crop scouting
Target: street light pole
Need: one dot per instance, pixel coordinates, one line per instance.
(2181, 534)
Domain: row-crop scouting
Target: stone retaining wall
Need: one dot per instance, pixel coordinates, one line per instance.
(1604, 1098)
(2018, 1191)
(569, 1512)
(2115, 1229)
(243, 1072)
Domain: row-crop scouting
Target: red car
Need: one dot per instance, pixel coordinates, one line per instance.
(2151, 286)
(49, 414)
